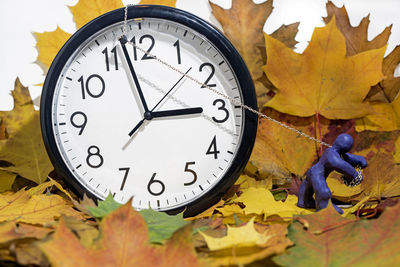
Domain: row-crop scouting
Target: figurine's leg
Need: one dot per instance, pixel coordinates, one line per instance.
(322, 193)
(306, 192)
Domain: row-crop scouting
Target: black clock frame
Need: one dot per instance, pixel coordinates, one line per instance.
(189, 20)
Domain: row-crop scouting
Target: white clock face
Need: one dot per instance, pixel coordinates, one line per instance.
(165, 162)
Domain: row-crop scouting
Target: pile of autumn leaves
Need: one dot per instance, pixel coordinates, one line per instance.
(342, 83)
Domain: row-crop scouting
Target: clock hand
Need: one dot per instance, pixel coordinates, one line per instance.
(176, 112)
(148, 115)
(183, 76)
(136, 127)
(123, 41)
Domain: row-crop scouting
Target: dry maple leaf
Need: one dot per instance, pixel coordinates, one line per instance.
(49, 43)
(124, 242)
(24, 149)
(280, 152)
(322, 80)
(31, 206)
(357, 41)
(356, 37)
(381, 178)
(243, 24)
(243, 245)
(11, 231)
(332, 240)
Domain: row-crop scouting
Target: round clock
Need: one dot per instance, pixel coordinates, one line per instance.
(122, 113)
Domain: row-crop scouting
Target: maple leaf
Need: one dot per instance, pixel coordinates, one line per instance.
(332, 240)
(261, 201)
(243, 245)
(357, 41)
(6, 180)
(24, 149)
(381, 178)
(280, 152)
(48, 45)
(243, 24)
(389, 88)
(171, 3)
(125, 245)
(160, 225)
(322, 80)
(11, 231)
(31, 206)
(86, 10)
(356, 37)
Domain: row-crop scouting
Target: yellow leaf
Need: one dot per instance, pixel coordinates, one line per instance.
(24, 149)
(339, 190)
(243, 24)
(171, 3)
(386, 117)
(243, 245)
(245, 182)
(322, 80)
(261, 201)
(30, 206)
(48, 45)
(279, 152)
(244, 236)
(349, 211)
(6, 180)
(86, 10)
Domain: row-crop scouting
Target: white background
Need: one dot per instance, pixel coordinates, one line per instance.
(19, 18)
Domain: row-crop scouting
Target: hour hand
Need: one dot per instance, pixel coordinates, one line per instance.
(123, 41)
(177, 112)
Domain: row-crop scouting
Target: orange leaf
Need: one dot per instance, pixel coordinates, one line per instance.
(124, 242)
(323, 80)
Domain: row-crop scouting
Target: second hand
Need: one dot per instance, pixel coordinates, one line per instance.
(148, 115)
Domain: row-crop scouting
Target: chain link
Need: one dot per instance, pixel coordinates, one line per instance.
(230, 99)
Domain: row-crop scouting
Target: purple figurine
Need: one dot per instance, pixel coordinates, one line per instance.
(334, 158)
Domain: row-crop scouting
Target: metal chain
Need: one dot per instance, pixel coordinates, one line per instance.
(230, 99)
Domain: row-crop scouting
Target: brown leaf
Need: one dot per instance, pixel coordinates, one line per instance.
(356, 37)
(11, 231)
(30, 254)
(332, 240)
(124, 245)
(243, 25)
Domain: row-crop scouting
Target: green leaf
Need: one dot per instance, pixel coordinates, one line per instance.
(104, 207)
(161, 226)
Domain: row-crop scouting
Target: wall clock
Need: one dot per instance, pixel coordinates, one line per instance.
(124, 113)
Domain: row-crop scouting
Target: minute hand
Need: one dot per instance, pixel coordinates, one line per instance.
(123, 41)
(176, 112)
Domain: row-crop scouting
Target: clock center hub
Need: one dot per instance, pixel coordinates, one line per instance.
(148, 115)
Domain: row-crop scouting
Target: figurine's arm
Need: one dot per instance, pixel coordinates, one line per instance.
(341, 166)
(355, 160)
